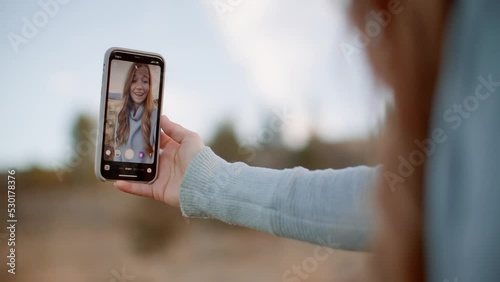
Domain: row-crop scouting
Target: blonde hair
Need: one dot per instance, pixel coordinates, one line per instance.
(406, 58)
(123, 131)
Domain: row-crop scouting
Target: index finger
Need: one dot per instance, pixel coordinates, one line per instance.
(164, 139)
(173, 130)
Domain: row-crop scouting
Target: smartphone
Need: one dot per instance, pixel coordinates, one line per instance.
(129, 118)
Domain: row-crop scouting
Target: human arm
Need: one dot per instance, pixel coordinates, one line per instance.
(325, 207)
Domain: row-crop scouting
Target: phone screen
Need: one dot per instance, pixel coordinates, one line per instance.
(132, 113)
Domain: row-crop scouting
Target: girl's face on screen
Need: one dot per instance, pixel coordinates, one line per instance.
(139, 88)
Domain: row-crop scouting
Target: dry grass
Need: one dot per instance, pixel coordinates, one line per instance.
(84, 233)
(114, 107)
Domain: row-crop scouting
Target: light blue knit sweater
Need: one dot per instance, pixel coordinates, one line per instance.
(327, 207)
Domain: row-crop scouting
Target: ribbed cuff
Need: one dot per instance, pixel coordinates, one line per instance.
(231, 192)
(197, 183)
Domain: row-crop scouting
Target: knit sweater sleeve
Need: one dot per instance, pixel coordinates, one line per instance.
(324, 207)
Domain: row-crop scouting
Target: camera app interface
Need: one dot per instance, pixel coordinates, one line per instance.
(132, 112)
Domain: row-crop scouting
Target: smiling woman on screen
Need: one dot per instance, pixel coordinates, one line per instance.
(134, 135)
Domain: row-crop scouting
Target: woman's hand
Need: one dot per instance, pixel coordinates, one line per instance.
(178, 145)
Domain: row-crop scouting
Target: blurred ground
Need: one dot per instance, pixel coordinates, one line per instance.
(84, 233)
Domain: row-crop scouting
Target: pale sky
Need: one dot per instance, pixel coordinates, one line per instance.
(254, 58)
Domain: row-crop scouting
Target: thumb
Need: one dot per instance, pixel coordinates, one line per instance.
(173, 130)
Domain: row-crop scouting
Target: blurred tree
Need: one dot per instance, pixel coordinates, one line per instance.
(272, 153)
(225, 144)
(320, 155)
(83, 133)
(36, 177)
(77, 167)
